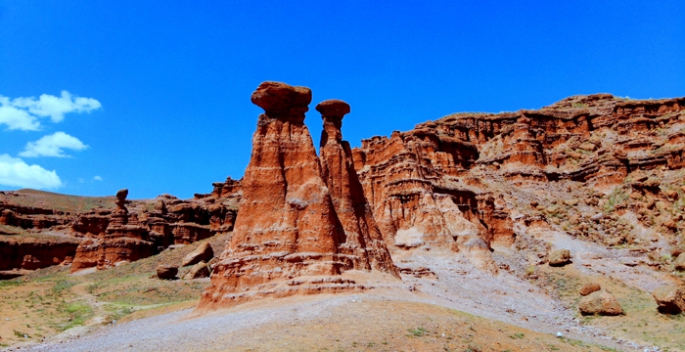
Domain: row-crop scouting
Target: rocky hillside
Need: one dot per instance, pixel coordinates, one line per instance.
(41, 229)
(605, 169)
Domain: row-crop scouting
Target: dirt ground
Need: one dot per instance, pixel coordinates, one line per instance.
(445, 302)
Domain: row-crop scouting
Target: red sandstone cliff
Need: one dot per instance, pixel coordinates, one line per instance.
(41, 229)
(423, 183)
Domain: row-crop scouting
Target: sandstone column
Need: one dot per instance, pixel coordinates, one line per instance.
(361, 237)
(287, 226)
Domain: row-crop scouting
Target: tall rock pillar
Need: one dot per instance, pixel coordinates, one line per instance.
(361, 238)
(285, 240)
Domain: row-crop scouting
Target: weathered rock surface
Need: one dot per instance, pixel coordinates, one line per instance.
(670, 299)
(413, 179)
(600, 302)
(410, 180)
(203, 253)
(124, 239)
(287, 239)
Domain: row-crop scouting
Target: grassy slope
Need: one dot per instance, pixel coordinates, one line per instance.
(51, 300)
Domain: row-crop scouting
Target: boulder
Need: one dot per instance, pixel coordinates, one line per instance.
(670, 299)
(198, 270)
(167, 272)
(203, 253)
(600, 302)
(559, 257)
(589, 288)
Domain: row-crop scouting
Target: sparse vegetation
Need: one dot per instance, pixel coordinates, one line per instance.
(418, 332)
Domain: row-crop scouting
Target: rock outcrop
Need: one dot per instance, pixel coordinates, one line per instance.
(287, 239)
(124, 239)
(110, 229)
(424, 183)
(35, 253)
(411, 181)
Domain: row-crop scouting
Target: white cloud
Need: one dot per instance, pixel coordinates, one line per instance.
(16, 119)
(97, 178)
(15, 172)
(52, 145)
(23, 113)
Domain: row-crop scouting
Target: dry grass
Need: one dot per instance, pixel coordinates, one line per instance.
(50, 301)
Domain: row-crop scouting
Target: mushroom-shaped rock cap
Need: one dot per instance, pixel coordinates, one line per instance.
(333, 108)
(122, 194)
(282, 100)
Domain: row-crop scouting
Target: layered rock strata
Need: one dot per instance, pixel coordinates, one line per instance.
(287, 239)
(124, 239)
(49, 227)
(114, 236)
(416, 180)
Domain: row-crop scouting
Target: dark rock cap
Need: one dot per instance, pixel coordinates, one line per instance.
(282, 100)
(333, 108)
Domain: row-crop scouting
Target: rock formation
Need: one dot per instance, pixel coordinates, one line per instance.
(124, 239)
(51, 226)
(361, 237)
(423, 183)
(199, 270)
(287, 239)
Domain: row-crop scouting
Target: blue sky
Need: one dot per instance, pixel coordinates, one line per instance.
(158, 92)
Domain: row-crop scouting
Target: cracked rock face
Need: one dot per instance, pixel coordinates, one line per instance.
(288, 237)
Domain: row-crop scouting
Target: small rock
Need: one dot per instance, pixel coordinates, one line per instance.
(600, 302)
(589, 288)
(560, 257)
(203, 253)
(670, 299)
(198, 270)
(679, 262)
(167, 272)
